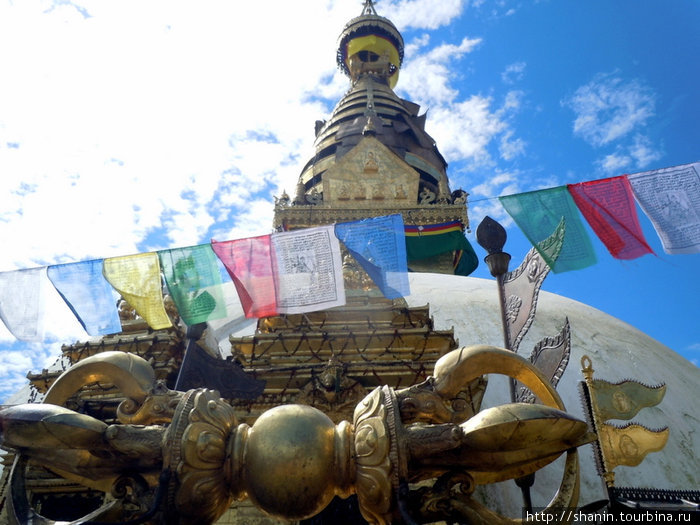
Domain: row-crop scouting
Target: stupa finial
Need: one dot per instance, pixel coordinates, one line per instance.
(368, 8)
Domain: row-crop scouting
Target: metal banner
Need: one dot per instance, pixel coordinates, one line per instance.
(551, 357)
(521, 287)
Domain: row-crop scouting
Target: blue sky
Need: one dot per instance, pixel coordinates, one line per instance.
(129, 126)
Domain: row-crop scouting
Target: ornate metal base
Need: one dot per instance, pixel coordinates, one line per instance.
(187, 458)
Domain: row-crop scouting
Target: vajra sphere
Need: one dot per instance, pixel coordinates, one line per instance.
(182, 457)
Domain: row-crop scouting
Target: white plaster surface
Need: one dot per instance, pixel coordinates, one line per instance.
(618, 351)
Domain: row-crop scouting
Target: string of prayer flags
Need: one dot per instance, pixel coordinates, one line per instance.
(538, 213)
(137, 279)
(287, 272)
(429, 240)
(89, 296)
(608, 207)
(378, 244)
(194, 282)
(670, 197)
(249, 263)
(22, 302)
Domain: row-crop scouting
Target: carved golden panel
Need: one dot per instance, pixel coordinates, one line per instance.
(371, 175)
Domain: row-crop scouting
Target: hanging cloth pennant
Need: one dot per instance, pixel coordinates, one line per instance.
(670, 197)
(289, 272)
(538, 213)
(137, 279)
(249, 263)
(194, 282)
(429, 240)
(379, 246)
(22, 302)
(89, 296)
(608, 206)
(308, 270)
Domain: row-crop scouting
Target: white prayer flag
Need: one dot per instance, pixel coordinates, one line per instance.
(308, 270)
(22, 302)
(670, 197)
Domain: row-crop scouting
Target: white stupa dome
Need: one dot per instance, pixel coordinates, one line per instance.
(618, 351)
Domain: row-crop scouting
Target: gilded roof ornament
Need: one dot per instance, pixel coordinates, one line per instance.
(368, 8)
(368, 39)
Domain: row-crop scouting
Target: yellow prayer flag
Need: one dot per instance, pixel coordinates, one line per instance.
(629, 446)
(623, 400)
(137, 279)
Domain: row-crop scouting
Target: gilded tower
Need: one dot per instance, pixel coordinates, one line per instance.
(373, 156)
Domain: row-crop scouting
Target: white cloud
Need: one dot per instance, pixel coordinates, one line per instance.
(511, 147)
(612, 113)
(428, 76)
(421, 14)
(643, 151)
(465, 130)
(102, 130)
(500, 183)
(513, 72)
(638, 154)
(483, 201)
(614, 163)
(608, 108)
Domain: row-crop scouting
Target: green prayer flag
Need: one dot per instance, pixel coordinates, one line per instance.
(539, 213)
(194, 282)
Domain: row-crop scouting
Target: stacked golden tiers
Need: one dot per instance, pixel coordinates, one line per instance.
(331, 359)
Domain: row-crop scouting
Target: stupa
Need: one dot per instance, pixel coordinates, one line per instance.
(372, 158)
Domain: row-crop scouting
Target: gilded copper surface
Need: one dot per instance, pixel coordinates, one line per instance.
(294, 459)
(626, 445)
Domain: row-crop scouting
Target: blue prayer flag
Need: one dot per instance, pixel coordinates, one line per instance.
(379, 246)
(88, 294)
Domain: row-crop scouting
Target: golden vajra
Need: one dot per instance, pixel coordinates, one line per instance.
(184, 455)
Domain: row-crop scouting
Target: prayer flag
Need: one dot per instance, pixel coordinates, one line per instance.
(200, 369)
(288, 272)
(308, 270)
(22, 302)
(137, 279)
(608, 206)
(249, 263)
(379, 245)
(429, 240)
(670, 197)
(538, 213)
(89, 296)
(194, 282)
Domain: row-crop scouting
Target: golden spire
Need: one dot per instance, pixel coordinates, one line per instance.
(368, 8)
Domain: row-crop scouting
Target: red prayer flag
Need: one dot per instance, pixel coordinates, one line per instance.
(608, 206)
(249, 263)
